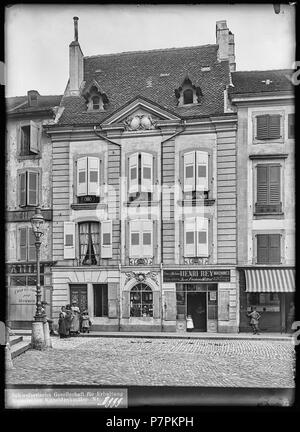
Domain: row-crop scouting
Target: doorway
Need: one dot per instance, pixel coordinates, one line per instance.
(78, 293)
(196, 307)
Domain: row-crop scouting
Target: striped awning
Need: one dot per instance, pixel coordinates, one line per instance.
(270, 280)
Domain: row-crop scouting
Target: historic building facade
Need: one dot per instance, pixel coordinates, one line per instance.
(266, 196)
(28, 185)
(144, 189)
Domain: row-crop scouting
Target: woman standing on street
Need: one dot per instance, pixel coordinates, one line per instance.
(68, 319)
(75, 325)
(62, 330)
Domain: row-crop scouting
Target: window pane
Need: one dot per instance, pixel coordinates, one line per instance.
(94, 176)
(106, 239)
(31, 280)
(201, 170)
(133, 173)
(189, 237)
(100, 300)
(147, 173)
(81, 178)
(135, 239)
(202, 237)
(189, 171)
(18, 280)
(188, 96)
(147, 238)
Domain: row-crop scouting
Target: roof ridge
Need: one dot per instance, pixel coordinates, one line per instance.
(150, 51)
(263, 70)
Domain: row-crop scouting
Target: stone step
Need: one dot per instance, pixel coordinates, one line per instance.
(13, 340)
(19, 348)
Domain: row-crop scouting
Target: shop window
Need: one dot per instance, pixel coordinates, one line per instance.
(268, 195)
(291, 126)
(140, 167)
(89, 243)
(29, 138)
(196, 237)
(141, 301)
(28, 188)
(141, 238)
(268, 127)
(22, 280)
(268, 248)
(195, 181)
(27, 251)
(88, 179)
(100, 300)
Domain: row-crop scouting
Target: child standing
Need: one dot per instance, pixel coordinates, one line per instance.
(85, 322)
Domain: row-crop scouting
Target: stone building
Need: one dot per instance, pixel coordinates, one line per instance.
(28, 184)
(144, 188)
(266, 196)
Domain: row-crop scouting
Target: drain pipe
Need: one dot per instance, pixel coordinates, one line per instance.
(183, 123)
(120, 166)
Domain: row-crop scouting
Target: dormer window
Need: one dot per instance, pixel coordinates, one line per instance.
(96, 103)
(32, 96)
(188, 93)
(96, 99)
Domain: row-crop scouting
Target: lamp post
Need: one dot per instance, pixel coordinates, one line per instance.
(37, 337)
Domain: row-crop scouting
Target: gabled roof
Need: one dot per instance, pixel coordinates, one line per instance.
(153, 75)
(19, 104)
(256, 81)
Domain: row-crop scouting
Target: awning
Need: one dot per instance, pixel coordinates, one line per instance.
(270, 280)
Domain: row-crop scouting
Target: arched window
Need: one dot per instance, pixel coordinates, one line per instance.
(188, 96)
(96, 102)
(141, 301)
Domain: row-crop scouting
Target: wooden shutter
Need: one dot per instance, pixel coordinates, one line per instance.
(156, 304)
(146, 237)
(125, 304)
(262, 249)
(268, 126)
(190, 237)
(31, 245)
(32, 188)
(262, 127)
(106, 239)
(113, 300)
(274, 126)
(291, 125)
(170, 306)
(201, 171)
(147, 172)
(223, 305)
(274, 184)
(23, 244)
(22, 183)
(69, 240)
(135, 241)
(202, 236)
(82, 176)
(262, 184)
(133, 173)
(189, 171)
(274, 249)
(34, 137)
(93, 176)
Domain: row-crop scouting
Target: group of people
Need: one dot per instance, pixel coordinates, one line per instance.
(72, 321)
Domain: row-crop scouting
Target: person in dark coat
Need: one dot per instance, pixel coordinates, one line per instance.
(62, 329)
(68, 319)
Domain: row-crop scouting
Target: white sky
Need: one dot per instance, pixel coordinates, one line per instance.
(38, 36)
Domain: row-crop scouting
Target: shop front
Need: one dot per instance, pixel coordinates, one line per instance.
(272, 292)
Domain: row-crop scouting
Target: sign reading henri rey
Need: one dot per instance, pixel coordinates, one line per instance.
(197, 275)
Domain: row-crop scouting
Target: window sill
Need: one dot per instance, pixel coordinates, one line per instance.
(88, 206)
(269, 141)
(270, 215)
(196, 202)
(141, 203)
(35, 156)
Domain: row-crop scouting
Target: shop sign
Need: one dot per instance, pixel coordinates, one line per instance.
(22, 295)
(196, 276)
(28, 268)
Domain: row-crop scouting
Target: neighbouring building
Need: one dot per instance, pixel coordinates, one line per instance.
(144, 188)
(28, 184)
(266, 196)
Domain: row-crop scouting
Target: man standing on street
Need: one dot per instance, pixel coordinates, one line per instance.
(255, 316)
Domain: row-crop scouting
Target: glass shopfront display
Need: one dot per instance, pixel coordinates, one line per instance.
(141, 301)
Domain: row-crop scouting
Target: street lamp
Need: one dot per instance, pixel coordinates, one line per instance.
(37, 337)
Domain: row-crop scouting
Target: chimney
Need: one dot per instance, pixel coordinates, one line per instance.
(32, 98)
(225, 40)
(75, 63)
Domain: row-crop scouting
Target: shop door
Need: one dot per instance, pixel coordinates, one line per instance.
(196, 307)
(78, 293)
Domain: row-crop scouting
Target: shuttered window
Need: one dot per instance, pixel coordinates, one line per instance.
(195, 172)
(196, 237)
(88, 175)
(106, 239)
(28, 188)
(29, 137)
(268, 189)
(141, 238)
(291, 125)
(140, 175)
(268, 127)
(27, 250)
(268, 249)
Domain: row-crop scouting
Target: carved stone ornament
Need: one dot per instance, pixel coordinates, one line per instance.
(141, 276)
(140, 261)
(201, 261)
(139, 122)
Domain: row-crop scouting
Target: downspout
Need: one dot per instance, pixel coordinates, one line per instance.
(120, 169)
(183, 122)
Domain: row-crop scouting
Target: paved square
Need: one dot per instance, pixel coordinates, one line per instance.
(158, 362)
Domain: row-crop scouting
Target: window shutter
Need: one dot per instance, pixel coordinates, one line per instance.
(202, 237)
(274, 184)
(133, 173)
(146, 236)
(291, 125)
(93, 176)
(170, 305)
(189, 172)
(135, 241)
(69, 240)
(32, 188)
(113, 300)
(223, 305)
(34, 137)
(125, 304)
(274, 126)
(106, 239)
(274, 249)
(262, 127)
(262, 249)
(202, 171)
(82, 176)
(23, 244)
(262, 184)
(147, 172)
(189, 237)
(22, 179)
(31, 246)
(156, 304)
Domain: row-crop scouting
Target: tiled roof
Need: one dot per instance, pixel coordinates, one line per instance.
(255, 81)
(19, 104)
(153, 75)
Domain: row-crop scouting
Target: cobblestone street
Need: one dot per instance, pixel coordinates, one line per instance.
(158, 362)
